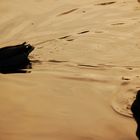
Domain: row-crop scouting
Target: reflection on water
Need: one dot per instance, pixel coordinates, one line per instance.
(26, 69)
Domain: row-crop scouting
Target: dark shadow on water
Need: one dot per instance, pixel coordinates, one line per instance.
(15, 72)
(35, 61)
(26, 69)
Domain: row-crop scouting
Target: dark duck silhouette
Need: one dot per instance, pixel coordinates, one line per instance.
(15, 58)
(135, 108)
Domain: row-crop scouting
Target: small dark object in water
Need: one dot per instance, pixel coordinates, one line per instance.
(15, 58)
(107, 3)
(83, 32)
(135, 108)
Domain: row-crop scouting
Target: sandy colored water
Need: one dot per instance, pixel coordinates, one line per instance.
(86, 69)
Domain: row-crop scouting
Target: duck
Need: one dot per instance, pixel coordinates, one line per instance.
(14, 58)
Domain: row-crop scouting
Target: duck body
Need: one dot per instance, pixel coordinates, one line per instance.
(135, 108)
(13, 58)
